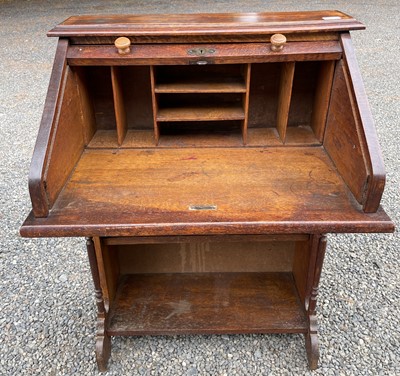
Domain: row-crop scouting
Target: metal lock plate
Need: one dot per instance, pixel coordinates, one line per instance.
(201, 51)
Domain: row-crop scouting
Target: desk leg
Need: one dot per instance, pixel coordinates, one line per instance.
(316, 263)
(103, 341)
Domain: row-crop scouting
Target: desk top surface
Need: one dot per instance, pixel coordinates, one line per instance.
(205, 24)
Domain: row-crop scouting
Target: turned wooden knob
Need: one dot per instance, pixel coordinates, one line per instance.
(277, 42)
(123, 44)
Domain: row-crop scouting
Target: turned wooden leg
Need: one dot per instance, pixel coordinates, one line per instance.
(103, 341)
(311, 336)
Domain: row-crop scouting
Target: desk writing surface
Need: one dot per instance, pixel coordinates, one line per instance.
(153, 191)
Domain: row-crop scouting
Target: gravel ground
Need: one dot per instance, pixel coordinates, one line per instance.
(47, 311)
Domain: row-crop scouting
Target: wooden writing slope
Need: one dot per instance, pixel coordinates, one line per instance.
(205, 158)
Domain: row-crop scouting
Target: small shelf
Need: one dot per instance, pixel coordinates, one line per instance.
(200, 94)
(207, 85)
(201, 113)
(184, 303)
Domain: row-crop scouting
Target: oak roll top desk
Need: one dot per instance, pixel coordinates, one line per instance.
(205, 157)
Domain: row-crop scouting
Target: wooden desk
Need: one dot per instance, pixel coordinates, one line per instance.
(205, 158)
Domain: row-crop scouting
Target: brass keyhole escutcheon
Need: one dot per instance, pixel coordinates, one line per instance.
(201, 51)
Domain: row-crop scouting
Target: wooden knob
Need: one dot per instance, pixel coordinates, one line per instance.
(123, 44)
(277, 42)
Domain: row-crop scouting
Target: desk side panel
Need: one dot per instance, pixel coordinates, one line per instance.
(342, 138)
(350, 138)
(368, 137)
(51, 110)
(68, 141)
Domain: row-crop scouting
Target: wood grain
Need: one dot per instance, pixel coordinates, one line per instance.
(119, 105)
(206, 303)
(366, 128)
(201, 113)
(37, 189)
(231, 38)
(177, 54)
(154, 103)
(301, 263)
(97, 243)
(86, 103)
(256, 190)
(317, 254)
(264, 93)
(303, 93)
(126, 240)
(68, 130)
(205, 85)
(285, 96)
(245, 99)
(295, 136)
(205, 257)
(204, 24)
(342, 139)
(103, 340)
(99, 85)
(136, 86)
(111, 269)
(321, 98)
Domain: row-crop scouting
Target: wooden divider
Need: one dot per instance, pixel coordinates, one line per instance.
(246, 97)
(285, 94)
(322, 97)
(154, 103)
(119, 107)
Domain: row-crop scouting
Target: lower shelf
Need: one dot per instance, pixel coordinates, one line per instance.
(202, 303)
